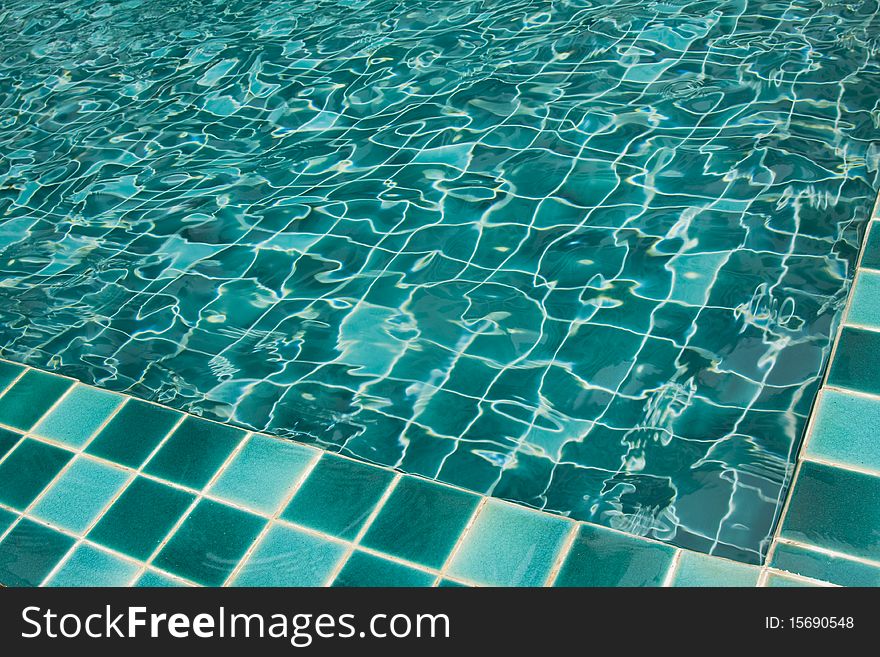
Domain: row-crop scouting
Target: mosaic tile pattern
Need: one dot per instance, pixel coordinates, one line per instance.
(312, 518)
(586, 256)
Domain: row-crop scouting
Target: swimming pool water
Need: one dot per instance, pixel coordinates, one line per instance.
(587, 256)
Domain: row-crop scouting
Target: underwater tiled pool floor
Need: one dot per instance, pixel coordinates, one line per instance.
(589, 259)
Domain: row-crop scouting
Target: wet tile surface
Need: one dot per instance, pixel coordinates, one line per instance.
(835, 509)
(857, 361)
(824, 567)
(845, 430)
(421, 522)
(563, 293)
(133, 433)
(29, 552)
(78, 416)
(30, 397)
(27, 470)
(697, 570)
(364, 569)
(600, 557)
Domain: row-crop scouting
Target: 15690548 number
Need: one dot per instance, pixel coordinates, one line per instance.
(821, 622)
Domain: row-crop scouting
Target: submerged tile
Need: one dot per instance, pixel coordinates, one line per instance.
(78, 415)
(696, 569)
(601, 557)
(509, 546)
(824, 567)
(856, 361)
(30, 552)
(845, 429)
(79, 495)
(194, 452)
(835, 509)
(290, 557)
(338, 496)
(209, 543)
(28, 469)
(141, 518)
(363, 569)
(30, 397)
(89, 566)
(133, 433)
(261, 475)
(420, 521)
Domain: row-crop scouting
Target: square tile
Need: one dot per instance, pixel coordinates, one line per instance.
(31, 396)
(857, 361)
(871, 254)
(601, 557)
(8, 439)
(421, 521)
(89, 566)
(133, 433)
(696, 569)
(78, 415)
(79, 495)
(845, 429)
(509, 546)
(8, 372)
(774, 580)
(194, 452)
(290, 557)
(155, 579)
(209, 543)
(28, 469)
(338, 496)
(262, 473)
(363, 569)
(141, 518)
(30, 552)
(836, 509)
(864, 306)
(824, 567)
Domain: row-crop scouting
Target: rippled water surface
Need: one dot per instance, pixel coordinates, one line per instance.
(584, 255)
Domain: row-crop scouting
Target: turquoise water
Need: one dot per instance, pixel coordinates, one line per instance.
(586, 256)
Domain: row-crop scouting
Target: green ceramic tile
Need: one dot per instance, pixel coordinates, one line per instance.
(864, 306)
(262, 473)
(31, 396)
(363, 569)
(27, 470)
(194, 452)
(8, 372)
(89, 566)
(600, 557)
(421, 521)
(871, 254)
(78, 415)
(141, 518)
(781, 581)
(857, 360)
(209, 543)
(6, 519)
(79, 495)
(290, 557)
(8, 439)
(30, 552)
(836, 509)
(338, 496)
(133, 433)
(696, 569)
(824, 567)
(509, 546)
(155, 579)
(845, 430)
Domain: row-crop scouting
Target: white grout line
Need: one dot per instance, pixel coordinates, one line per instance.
(461, 536)
(673, 569)
(273, 520)
(564, 551)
